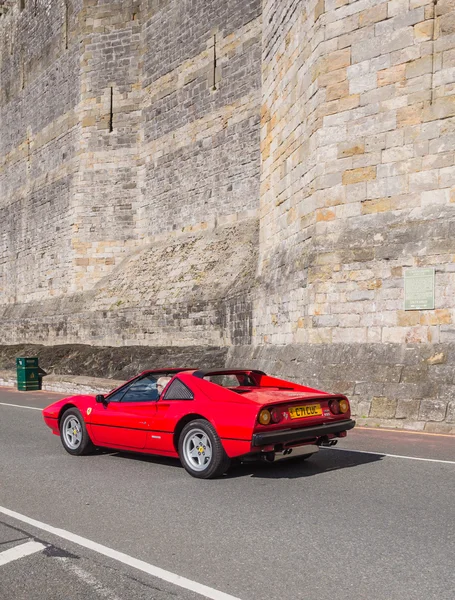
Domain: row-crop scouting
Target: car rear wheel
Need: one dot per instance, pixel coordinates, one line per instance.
(201, 451)
(73, 433)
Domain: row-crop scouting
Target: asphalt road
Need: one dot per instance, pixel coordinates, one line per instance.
(344, 524)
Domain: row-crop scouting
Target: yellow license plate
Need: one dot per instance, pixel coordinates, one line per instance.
(310, 410)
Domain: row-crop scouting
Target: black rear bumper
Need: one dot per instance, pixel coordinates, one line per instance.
(287, 436)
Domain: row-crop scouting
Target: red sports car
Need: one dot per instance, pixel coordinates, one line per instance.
(205, 418)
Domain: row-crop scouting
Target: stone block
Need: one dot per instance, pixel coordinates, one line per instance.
(444, 428)
(342, 26)
(440, 109)
(398, 153)
(447, 24)
(332, 62)
(319, 9)
(365, 49)
(363, 408)
(424, 31)
(391, 75)
(444, 77)
(350, 149)
(407, 409)
(384, 408)
(419, 67)
(373, 15)
(447, 177)
(397, 7)
(376, 205)
(432, 410)
(337, 90)
(444, 7)
(451, 412)
(357, 175)
(415, 373)
(363, 83)
(440, 316)
(349, 335)
(426, 180)
(410, 115)
(408, 318)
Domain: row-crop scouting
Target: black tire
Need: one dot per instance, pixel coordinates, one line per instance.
(219, 461)
(85, 445)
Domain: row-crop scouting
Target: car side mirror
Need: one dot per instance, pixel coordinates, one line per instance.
(100, 399)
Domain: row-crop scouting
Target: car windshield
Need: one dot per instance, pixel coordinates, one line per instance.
(142, 389)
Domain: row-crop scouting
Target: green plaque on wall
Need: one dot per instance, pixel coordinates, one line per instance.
(419, 289)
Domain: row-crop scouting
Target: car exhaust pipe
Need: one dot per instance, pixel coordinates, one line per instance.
(306, 450)
(326, 443)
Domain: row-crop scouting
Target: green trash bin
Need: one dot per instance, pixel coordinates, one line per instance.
(28, 374)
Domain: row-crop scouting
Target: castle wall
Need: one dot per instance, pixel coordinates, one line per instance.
(357, 184)
(157, 124)
(358, 171)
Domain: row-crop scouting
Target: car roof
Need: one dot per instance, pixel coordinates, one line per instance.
(203, 373)
(168, 370)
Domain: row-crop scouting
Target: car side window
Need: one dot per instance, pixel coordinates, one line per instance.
(118, 395)
(142, 390)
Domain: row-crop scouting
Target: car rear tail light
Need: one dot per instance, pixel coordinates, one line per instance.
(264, 417)
(276, 414)
(344, 406)
(334, 406)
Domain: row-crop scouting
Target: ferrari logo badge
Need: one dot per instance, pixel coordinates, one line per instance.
(89, 410)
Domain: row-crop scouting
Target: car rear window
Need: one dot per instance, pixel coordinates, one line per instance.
(232, 380)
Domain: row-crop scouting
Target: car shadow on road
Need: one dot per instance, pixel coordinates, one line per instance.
(292, 468)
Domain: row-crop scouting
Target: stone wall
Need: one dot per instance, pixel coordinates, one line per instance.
(109, 104)
(358, 170)
(168, 294)
(253, 175)
(358, 176)
(39, 92)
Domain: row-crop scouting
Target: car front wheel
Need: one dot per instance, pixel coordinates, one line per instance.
(201, 451)
(73, 433)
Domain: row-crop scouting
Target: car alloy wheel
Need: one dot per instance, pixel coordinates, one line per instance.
(201, 451)
(198, 449)
(74, 434)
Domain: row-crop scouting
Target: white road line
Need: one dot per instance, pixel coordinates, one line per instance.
(20, 406)
(141, 565)
(88, 579)
(448, 462)
(20, 552)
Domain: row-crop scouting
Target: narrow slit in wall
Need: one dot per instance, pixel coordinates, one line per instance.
(66, 25)
(111, 112)
(214, 63)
